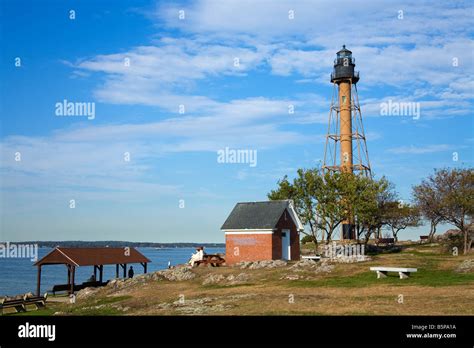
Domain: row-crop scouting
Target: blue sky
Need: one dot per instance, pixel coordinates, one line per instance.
(138, 63)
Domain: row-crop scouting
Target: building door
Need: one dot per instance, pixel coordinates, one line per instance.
(285, 245)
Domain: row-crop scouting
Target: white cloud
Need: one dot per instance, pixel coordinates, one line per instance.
(324, 23)
(161, 75)
(413, 55)
(91, 158)
(420, 150)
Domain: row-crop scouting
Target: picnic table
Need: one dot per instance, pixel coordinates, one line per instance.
(215, 260)
(77, 287)
(386, 241)
(424, 238)
(20, 304)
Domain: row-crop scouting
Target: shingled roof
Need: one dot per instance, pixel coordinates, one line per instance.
(92, 256)
(259, 215)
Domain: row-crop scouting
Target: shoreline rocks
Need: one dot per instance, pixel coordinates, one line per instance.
(229, 280)
(261, 264)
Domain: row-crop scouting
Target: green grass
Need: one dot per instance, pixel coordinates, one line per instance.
(47, 311)
(112, 299)
(223, 286)
(423, 277)
(425, 253)
(50, 309)
(106, 311)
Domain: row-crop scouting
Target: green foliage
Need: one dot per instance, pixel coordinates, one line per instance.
(324, 200)
(452, 239)
(302, 191)
(307, 239)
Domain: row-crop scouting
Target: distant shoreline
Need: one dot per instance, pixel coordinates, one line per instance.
(118, 244)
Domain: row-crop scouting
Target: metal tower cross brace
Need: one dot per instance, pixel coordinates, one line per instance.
(346, 147)
(345, 121)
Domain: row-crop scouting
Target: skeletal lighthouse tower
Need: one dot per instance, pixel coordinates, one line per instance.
(346, 131)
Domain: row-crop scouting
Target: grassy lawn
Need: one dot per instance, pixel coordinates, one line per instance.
(424, 277)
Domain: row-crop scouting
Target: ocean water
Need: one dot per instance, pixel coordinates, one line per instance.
(18, 276)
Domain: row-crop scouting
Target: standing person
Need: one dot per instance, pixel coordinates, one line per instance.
(130, 272)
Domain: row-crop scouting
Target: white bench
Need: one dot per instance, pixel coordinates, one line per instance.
(311, 257)
(402, 271)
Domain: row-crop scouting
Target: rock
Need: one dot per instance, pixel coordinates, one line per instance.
(351, 259)
(261, 264)
(213, 279)
(466, 266)
(322, 266)
(205, 305)
(238, 279)
(305, 264)
(86, 293)
(229, 280)
(175, 274)
(291, 277)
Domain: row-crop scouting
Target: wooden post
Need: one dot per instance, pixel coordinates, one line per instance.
(73, 271)
(144, 264)
(116, 270)
(38, 283)
(68, 274)
(101, 271)
(125, 270)
(95, 272)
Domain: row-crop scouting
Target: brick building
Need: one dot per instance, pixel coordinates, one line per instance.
(257, 231)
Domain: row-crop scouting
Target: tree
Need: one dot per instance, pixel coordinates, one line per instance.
(324, 200)
(332, 204)
(302, 192)
(429, 204)
(456, 189)
(369, 207)
(400, 216)
(386, 194)
(451, 193)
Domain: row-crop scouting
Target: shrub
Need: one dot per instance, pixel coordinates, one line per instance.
(451, 239)
(307, 239)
